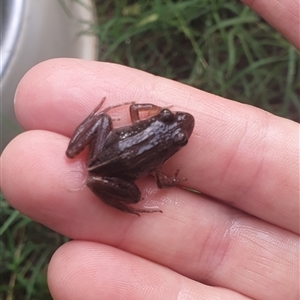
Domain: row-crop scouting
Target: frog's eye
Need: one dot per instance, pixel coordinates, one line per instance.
(167, 115)
(181, 138)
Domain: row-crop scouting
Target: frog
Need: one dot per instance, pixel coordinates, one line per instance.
(117, 157)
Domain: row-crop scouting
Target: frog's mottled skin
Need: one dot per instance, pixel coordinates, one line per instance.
(118, 156)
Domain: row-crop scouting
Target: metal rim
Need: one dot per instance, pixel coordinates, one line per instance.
(11, 17)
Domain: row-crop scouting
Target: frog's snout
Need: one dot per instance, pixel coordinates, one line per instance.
(186, 122)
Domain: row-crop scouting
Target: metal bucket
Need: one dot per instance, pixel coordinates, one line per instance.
(33, 31)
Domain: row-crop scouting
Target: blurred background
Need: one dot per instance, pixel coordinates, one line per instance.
(215, 45)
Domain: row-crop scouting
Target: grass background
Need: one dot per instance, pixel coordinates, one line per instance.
(215, 45)
(219, 46)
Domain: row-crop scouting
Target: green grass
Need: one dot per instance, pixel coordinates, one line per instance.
(219, 46)
(25, 248)
(215, 45)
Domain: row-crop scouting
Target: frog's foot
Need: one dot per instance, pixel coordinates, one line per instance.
(163, 181)
(136, 108)
(129, 209)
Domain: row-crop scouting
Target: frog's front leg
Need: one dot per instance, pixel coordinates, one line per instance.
(163, 181)
(117, 193)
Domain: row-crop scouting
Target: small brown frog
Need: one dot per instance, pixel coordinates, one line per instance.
(118, 156)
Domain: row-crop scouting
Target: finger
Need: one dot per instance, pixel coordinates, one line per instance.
(282, 15)
(195, 236)
(237, 153)
(85, 270)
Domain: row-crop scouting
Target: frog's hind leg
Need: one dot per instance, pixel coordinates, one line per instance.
(98, 124)
(137, 108)
(118, 193)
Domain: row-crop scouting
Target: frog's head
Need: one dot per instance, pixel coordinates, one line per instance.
(179, 125)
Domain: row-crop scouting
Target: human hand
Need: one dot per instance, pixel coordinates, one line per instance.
(240, 242)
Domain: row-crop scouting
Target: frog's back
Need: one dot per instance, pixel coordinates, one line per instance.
(138, 153)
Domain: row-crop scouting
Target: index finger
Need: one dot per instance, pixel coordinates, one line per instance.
(239, 154)
(282, 15)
